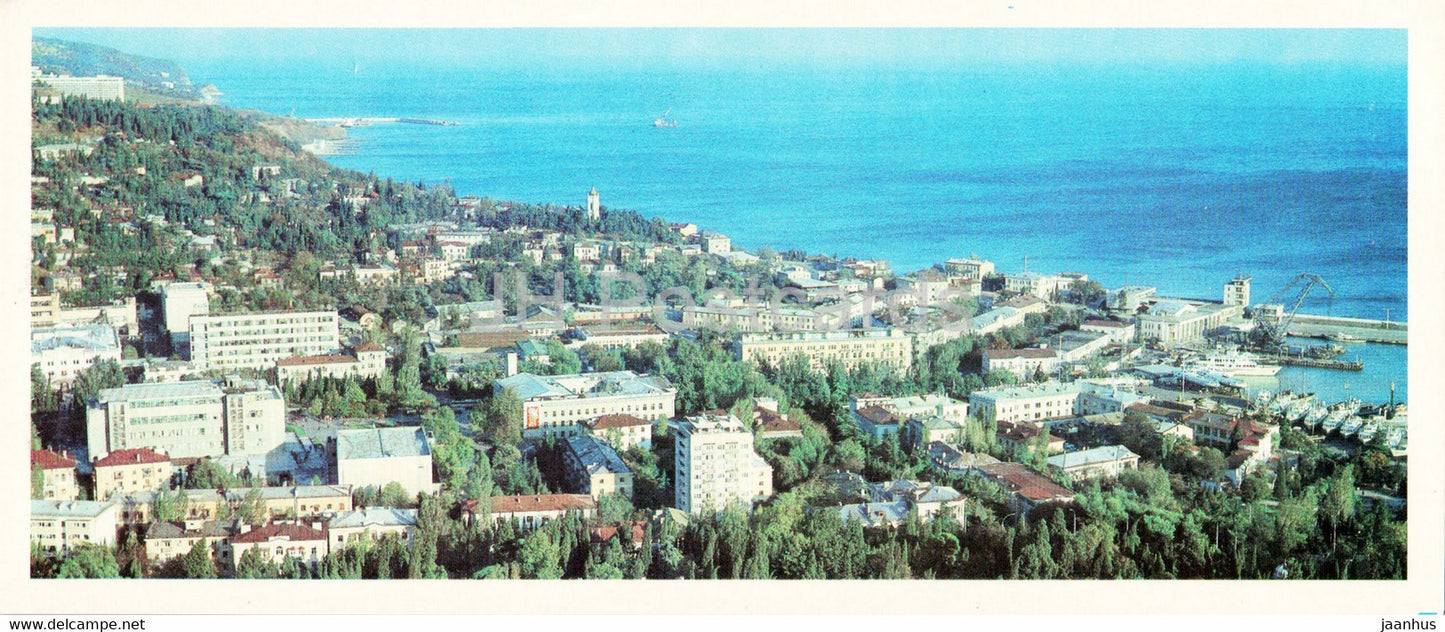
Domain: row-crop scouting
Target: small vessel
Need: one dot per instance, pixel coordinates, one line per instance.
(1352, 427)
(663, 121)
(1340, 336)
(1368, 431)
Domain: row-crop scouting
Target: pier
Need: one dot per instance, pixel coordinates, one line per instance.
(1366, 330)
(1339, 365)
(356, 121)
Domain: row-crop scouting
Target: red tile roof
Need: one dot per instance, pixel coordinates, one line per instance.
(132, 456)
(603, 534)
(369, 346)
(312, 360)
(769, 421)
(290, 531)
(544, 502)
(1028, 483)
(47, 460)
(618, 421)
(877, 415)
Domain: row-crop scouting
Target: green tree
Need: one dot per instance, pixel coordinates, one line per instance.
(502, 417)
(88, 561)
(254, 565)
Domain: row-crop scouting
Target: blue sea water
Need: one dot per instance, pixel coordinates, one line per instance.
(1172, 174)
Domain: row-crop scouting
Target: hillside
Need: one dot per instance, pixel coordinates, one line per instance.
(80, 59)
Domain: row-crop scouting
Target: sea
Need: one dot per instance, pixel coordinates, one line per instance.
(1177, 174)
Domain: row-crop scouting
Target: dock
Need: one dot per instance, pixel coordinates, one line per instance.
(1339, 365)
(1367, 330)
(359, 121)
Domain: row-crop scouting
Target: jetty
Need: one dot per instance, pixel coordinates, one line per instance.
(1363, 329)
(1316, 363)
(360, 121)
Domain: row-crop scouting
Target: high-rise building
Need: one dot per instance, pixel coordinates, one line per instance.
(257, 341)
(716, 465)
(187, 419)
(181, 301)
(851, 347)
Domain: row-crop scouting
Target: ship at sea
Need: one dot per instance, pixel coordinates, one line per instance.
(663, 121)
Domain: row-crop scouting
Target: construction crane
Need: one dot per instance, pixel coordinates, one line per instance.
(1270, 331)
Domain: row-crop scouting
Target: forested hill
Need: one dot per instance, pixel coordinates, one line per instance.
(63, 57)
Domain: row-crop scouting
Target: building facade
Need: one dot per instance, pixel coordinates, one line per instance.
(595, 468)
(1039, 402)
(257, 341)
(132, 471)
(851, 347)
(563, 405)
(377, 456)
(63, 352)
(715, 464)
(187, 419)
(57, 472)
(60, 525)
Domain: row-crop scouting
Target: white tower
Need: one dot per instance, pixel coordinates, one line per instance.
(594, 205)
(1236, 292)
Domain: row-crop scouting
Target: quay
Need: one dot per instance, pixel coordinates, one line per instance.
(355, 121)
(1340, 365)
(1367, 330)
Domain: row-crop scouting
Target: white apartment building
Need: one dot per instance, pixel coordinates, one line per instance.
(101, 87)
(187, 419)
(181, 301)
(1043, 286)
(1121, 333)
(60, 525)
(63, 352)
(563, 405)
(1020, 362)
(851, 347)
(751, 318)
(257, 341)
(1032, 403)
(716, 465)
(971, 268)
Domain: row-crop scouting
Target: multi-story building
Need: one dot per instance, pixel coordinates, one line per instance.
(1038, 402)
(623, 335)
(57, 473)
(533, 511)
(370, 524)
(754, 318)
(132, 471)
(187, 419)
(715, 464)
(1044, 286)
(282, 542)
(63, 352)
(257, 341)
(304, 502)
(364, 361)
(1118, 332)
(623, 431)
(1236, 291)
(1103, 461)
(60, 525)
(716, 243)
(596, 469)
(1021, 362)
(101, 87)
(169, 540)
(180, 302)
(562, 405)
(851, 347)
(1028, 488)
(1175, 322)
(971, 268)
(378, 456)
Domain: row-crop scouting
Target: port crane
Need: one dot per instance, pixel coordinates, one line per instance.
(1270, 331)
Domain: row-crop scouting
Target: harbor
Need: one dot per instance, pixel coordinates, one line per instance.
(1348, 330)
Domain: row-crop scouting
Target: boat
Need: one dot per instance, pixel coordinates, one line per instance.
(1332, 422)
(1352, 427)
(1234, 365)
(1316, 416)
(1368, 431)
(1340, 336)
(663, 121)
